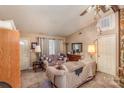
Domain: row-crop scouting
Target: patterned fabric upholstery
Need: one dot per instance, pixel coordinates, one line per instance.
(54, 59)
(67, 78)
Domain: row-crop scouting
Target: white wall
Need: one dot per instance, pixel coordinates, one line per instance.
(31, 37)
(88, 36)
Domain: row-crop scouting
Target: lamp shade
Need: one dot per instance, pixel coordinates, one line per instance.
(91, 48)
(37, 48)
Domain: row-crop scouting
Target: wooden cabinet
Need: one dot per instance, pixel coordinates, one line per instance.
(72, 57)
(9, 57)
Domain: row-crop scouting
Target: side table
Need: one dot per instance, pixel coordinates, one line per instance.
(38, 65)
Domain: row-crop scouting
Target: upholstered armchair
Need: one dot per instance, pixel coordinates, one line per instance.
(57, 77)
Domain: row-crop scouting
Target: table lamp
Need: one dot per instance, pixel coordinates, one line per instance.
(91, 50)
(37, 50)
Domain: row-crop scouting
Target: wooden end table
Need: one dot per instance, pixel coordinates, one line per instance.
(38, 65)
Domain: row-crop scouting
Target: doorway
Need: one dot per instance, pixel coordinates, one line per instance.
(24, 54)
(107, 54)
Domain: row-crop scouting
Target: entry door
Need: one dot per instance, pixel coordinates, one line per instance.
(24, 54)
(107, 54)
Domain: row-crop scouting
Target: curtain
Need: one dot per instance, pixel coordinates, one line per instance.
(40, 42)
(50, 46)
(57, 46)
(61, 46)
(45, 47)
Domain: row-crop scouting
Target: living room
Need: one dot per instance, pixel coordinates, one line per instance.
(56, 45)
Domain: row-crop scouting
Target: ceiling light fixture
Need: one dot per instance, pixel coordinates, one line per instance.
(100, 8)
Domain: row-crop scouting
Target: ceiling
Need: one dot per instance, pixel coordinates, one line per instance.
(52, 20)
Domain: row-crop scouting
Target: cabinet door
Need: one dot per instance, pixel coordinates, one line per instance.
(9, 57)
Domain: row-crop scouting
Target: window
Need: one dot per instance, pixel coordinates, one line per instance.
(54, 46)
(51, 47)
(107, 23)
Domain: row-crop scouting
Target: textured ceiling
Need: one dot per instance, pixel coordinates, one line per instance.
(53, 20)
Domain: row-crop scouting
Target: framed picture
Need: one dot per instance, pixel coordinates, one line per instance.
(33, 45)
(77, 47)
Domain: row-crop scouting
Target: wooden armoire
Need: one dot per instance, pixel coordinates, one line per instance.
(9, 57)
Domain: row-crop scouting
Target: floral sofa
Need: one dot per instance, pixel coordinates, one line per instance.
(52, 60)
